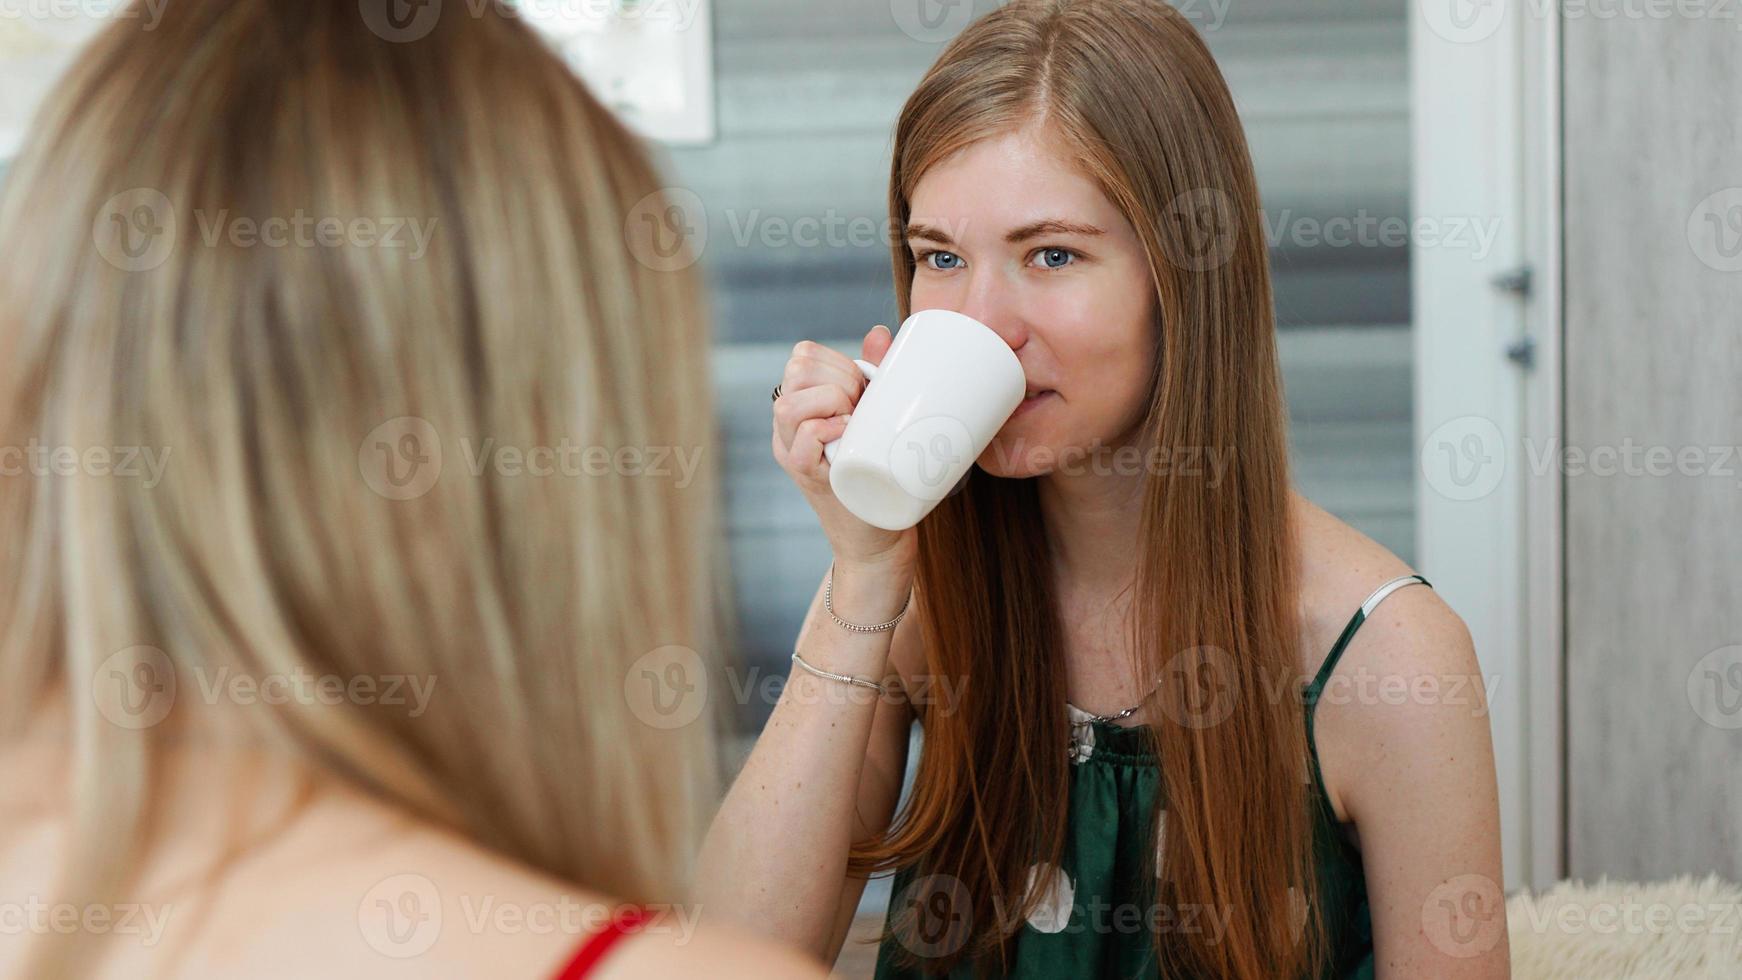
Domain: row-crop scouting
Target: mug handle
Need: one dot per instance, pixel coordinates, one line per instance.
(869, 370)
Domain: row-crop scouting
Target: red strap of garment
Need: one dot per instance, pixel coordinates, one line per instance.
(600, 943)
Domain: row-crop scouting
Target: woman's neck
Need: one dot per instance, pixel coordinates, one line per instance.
(1091, 524)
(215, 793)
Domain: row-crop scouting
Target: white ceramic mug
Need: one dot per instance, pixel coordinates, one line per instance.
(946, 387)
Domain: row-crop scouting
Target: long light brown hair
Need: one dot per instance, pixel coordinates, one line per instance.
(1134, 92)
(261, 372)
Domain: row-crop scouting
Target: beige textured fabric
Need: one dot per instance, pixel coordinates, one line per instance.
(1682, 929)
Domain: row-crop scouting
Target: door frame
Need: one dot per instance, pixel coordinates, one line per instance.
(1485, 140)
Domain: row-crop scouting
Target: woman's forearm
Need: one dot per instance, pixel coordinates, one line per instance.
(775, 857)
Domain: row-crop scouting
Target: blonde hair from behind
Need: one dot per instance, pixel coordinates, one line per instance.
(269, 378)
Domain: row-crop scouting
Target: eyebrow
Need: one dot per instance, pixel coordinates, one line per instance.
(1047, 226)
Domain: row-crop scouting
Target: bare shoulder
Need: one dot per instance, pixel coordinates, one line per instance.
(723, 953)
(507, 914)
(1340, 568)
(503, 920)
(357, 888)
(1410, 664)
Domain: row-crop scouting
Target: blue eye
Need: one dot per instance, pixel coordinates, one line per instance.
(1056, 258)
(951, 257)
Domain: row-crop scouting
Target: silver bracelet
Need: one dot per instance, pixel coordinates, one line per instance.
(844, 678)
(829, 604)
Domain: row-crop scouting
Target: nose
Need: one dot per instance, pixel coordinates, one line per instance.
(991, 303)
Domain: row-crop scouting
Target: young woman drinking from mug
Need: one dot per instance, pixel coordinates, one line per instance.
(1141, 752)
(328, 698)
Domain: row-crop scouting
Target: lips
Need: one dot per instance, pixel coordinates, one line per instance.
(1031, 400)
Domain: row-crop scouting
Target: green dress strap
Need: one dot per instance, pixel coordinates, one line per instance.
(1316, 688)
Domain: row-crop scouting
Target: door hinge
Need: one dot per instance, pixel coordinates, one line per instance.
(1515, 280)
(1523, 352)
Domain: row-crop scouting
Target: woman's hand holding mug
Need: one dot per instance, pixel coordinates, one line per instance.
(818, 391)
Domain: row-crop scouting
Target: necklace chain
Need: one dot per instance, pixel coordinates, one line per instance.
(1128, 712)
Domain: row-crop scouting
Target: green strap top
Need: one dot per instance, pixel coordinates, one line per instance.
(1097, 918)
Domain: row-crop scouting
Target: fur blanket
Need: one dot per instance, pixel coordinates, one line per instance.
(1683, 928)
